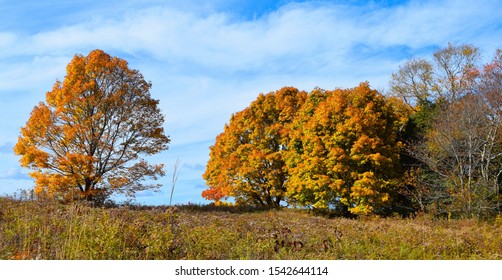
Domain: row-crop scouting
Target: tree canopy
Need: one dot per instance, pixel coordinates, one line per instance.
(247, 160)
(346, 151)
(88, 139)
(324, 149)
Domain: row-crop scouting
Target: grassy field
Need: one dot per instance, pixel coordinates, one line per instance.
(42, 230)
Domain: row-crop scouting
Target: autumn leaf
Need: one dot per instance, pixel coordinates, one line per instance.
(86, 140)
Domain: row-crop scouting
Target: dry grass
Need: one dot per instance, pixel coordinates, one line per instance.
(42, 230)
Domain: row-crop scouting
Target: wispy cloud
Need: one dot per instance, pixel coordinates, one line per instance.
(194, 167)
(14, 173)
(6, 148)
(209, 60)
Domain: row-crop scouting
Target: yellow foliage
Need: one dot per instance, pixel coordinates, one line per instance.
(354, 132)
(246, 161)
(94, 122)
(327, 147)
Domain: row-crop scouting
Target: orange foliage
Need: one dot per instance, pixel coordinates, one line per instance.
(322, 149)
(89, 133)
(246, 162)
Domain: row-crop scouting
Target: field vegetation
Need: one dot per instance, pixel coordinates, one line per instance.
(38, 229)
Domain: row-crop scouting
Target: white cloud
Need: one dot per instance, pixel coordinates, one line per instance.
(13, 173)
(306, 35)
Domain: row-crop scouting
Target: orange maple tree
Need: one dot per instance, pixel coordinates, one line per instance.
(86, 141)
(247, 160)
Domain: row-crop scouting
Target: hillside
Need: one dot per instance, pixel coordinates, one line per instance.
(43, 230)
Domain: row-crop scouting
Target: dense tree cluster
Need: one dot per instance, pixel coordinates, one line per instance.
(324, 149)
(433, 143)
(456, 142)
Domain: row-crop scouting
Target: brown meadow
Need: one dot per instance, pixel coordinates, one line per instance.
(32, 229)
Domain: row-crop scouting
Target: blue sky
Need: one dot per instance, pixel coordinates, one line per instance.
(209, 59)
